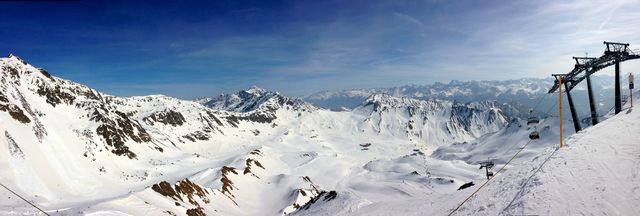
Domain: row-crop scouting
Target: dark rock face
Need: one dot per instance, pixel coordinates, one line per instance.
(3, 98)
(15, 112)
(227, 184)
(198, 135)
(168, 117)
(184, 188)
(45, 73)
(13, 72)
(196, 212)
(165, 189)
(324, 196)
(55, 95)
(14, 149)
(113, 138)
(258, 117)
(117, 130)
(190, 189)
(248, 164)
(211, 117)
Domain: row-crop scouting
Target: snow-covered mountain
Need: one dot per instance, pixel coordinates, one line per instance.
(255, 98)
(464, 91)
(72, 150)
(523, 94)
(434, 121)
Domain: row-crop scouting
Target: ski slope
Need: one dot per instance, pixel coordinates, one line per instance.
(596, 173)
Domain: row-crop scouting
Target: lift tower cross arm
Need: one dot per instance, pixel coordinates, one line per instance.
(616, 47)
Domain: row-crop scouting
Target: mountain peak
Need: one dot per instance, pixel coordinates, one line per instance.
(17, 68)
(252, 92)
(256, 90)
(13, 57)
(254, 98)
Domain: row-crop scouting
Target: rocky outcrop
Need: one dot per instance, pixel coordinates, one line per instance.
(184, 191)
(14, 149)
(167, 117)
(117, 129)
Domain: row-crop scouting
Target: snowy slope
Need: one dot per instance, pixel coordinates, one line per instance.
(598, 173)
(595, 174)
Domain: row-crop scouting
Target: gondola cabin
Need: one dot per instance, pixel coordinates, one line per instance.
(534, 135)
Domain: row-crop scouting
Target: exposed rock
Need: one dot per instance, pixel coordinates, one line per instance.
(198, 135)
(3, 98)
(168, 117)
(212, 116)
(258, 117)
(196, 212)
(13, 72)
(324, 196)
(227, 184)
(55, 95)
(38, 128)
(249, 163)
(14, 149)
(116, 139)
(165, 189)
(256, 152)
(45, 73)
(190, 189)
(116, 132)
(15, 112)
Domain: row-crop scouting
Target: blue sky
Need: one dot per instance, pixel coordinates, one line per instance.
(191, 49)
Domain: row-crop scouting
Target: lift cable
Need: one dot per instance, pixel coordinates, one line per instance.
(514, 156)
(30, 203)
(487, 181)
(500, 170)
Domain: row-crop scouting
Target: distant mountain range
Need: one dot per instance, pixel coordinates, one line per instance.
(524, 94)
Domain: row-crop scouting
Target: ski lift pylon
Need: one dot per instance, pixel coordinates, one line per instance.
(487, 165)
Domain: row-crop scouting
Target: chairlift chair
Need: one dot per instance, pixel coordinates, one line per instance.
(532, 118)
(487, 165)
(534, 135)
(490, 174)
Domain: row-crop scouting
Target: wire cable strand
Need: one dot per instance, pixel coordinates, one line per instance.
(30, 203)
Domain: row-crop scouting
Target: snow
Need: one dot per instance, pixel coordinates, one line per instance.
(597, 173)
(387, 156)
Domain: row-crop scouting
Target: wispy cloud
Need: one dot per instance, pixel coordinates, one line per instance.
(303, 46)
